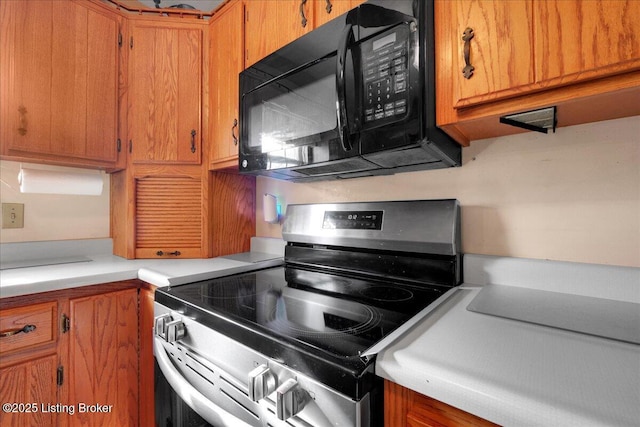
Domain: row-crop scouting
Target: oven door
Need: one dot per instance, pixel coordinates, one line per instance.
(179, 403)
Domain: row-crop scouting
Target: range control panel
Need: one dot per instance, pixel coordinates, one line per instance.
(352, 220)
(385, 75)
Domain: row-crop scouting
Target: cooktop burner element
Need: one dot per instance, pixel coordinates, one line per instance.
(387, 293)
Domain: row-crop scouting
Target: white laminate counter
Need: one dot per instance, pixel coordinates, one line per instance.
(516, 373)
(101, 267)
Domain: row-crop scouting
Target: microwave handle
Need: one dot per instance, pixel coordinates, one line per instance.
(343, 126)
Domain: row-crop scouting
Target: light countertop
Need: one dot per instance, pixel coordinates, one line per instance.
(511, 372)
(517, 373)
(92, 264)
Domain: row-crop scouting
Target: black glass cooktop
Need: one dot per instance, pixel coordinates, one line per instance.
(338, 315)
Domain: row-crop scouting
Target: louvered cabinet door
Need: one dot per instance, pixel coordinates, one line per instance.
(169, 217)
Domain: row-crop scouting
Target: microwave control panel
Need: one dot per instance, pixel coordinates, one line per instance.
(385, 76)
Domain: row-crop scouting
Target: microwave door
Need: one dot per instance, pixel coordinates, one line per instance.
(291, 121)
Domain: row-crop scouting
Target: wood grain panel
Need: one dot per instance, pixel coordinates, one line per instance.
(104, 355)
(60, 97)
(501, 50)
(42, 316)
(406, 408)
(33, 381)
(146, 359)
(226, 48)
(270, 25)
(168, 213)
(102, 70)
(338, 7)
(581, 40)
(166, 81)
(233, 213)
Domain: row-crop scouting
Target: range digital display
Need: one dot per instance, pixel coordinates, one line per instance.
(353, 220)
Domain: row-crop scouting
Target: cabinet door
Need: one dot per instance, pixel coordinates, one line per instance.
(270, 25)
(31, 384)
(169, 217)
(326, 10)
(226, 59)
(166, 92)
(407, 408)
(501, 50)
(580, 40)
(59, 81)
(103, 358)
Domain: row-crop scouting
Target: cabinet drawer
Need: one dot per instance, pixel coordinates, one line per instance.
(41, 316)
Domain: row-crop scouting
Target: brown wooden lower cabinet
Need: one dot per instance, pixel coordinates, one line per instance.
(407, 408)
(85, 371)
(103, 359)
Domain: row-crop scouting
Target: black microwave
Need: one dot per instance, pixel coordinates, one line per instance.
(355, 97)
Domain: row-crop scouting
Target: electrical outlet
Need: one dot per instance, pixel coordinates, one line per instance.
(12, 215)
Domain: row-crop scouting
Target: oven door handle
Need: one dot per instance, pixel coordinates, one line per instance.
(196, 400)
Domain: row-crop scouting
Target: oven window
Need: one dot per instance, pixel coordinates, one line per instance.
(170, 409)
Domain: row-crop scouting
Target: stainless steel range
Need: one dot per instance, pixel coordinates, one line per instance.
(295, 345)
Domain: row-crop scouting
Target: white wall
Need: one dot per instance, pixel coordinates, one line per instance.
(573, 195)
(52, 216)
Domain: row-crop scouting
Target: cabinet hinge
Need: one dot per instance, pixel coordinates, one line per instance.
(66, 323)
(60, 376)
(119, 39)
(119, 145)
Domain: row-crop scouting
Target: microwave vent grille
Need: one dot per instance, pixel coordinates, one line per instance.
(351, 165)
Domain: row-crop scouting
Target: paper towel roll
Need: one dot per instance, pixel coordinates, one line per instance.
(56, 182)
(270, 208)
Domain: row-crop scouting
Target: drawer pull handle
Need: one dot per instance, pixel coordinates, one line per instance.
(303, 19)
(25, 330)
(467, 71)
(193, 140)
(162, 253)
(233, 135)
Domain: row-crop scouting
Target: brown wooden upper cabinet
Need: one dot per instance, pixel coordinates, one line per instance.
(59, 82)
(165, 99)
(495, 57)
(579, 40)
(226, 61)
(326, 10)
(501, 49)
(270, 25)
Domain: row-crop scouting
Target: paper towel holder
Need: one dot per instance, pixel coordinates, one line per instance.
(270, 209)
